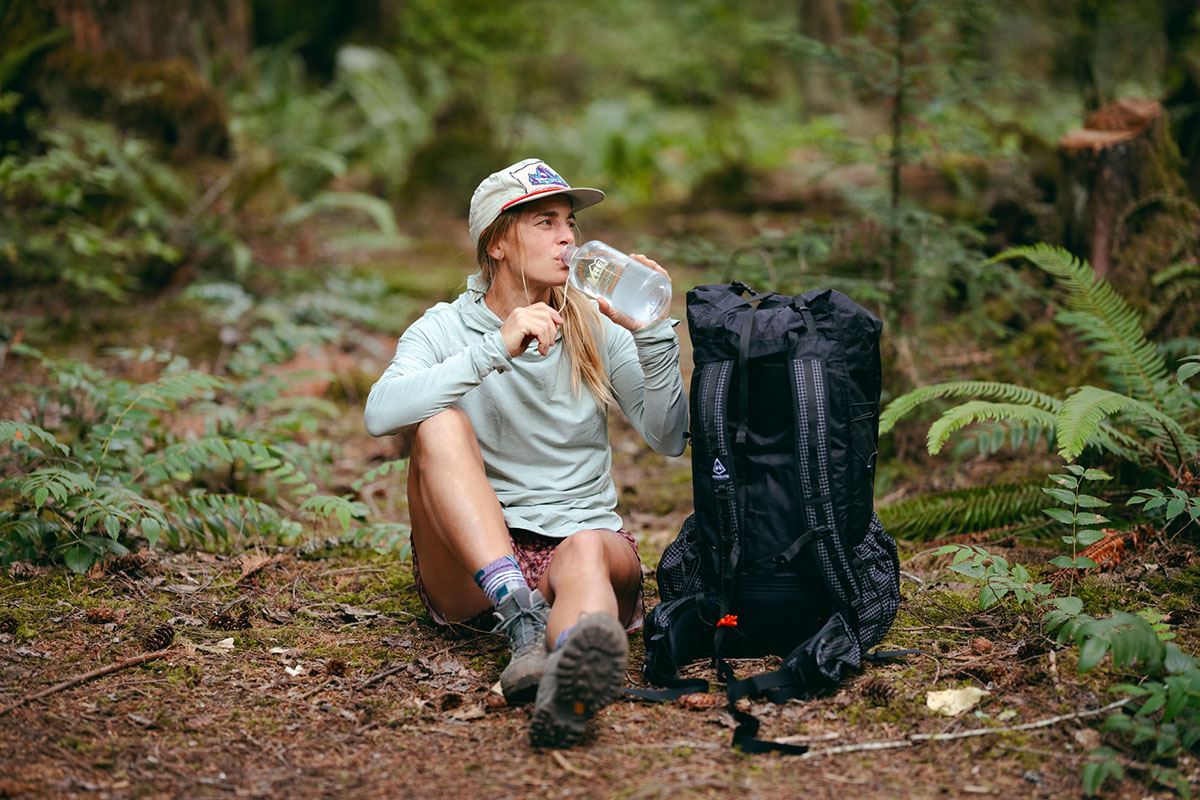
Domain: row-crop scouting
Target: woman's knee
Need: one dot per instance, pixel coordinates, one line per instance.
(448, 428)
(594, 548)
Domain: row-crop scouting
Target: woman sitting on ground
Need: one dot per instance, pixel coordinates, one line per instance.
(509, 488)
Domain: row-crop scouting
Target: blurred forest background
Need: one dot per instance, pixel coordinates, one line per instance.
(216, 216)
(199, 200)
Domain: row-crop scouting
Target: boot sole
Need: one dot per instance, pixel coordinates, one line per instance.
(588, 674)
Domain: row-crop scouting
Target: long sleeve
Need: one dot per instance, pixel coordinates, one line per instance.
(644, 370)
(422, 379)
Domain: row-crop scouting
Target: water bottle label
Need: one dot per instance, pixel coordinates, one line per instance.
(599, 275)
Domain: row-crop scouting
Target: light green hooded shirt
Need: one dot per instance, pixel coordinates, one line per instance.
(545, 449)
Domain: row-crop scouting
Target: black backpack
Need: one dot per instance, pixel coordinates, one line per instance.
(784, 554)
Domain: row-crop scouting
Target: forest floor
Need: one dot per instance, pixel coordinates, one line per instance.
(340, 686)
(314, 672)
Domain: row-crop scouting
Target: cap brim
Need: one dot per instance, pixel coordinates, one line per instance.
(581, 197)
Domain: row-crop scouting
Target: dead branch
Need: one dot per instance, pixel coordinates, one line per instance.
(87, 676)
(916, 738)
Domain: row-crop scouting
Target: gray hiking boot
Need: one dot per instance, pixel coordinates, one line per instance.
(522, 616)
(581, 677)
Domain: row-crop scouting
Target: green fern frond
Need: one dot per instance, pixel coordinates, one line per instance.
(1000, 391)
(1083, 411)
(1181, 269)
(979, 411)
(1102, 317)
(978, 508)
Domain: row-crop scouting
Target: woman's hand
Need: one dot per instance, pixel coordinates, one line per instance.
(624, 320)
(538, 321)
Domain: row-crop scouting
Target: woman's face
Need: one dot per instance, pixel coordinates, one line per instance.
(536, 242)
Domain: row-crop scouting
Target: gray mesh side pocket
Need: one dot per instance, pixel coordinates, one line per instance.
(678, 571)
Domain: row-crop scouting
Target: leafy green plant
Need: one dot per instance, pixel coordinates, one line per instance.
(1166, 723)
(998, 576)
(1175, 504)
(121, 470)
(1015, 508)
(93, 211)
(1145, 419)
(1069, 493)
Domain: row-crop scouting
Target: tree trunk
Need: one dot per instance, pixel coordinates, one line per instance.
(1123, 159)
(141, 64)
(199, 31)
(1182, 34)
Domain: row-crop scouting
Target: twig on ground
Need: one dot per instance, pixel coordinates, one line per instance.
(1053, 659)
(567, 766)
(87, 676)
(916, 738)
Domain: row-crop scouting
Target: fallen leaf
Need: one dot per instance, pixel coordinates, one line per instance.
(294, 671)
(699, 701)
(197, 723)
(280, 616)
(354, 613)
(225, 644)
(981, 645)
(1088, 738)
(28, 653)
(253, 562)
(953, 702)
(473, 711)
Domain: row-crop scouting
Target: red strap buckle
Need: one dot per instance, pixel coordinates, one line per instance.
(727, 621)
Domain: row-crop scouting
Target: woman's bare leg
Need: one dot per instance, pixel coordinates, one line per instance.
(457, 524)
(593, 570)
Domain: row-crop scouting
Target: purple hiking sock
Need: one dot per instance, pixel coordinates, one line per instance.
(499, 577)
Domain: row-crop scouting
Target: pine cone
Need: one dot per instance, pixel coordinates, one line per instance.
(160, 638)
(335, 666)
(243, 621)
(222, 622)
(100, 615)
(8, 625)
(130, 562)
(877, 691)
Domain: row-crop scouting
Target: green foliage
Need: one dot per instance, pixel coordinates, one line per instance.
(1014, 507)
(93, 211)
(1174, 504)
(1166, 722)
(1151, 425)
(117, 470)
(998, 576)
(1069, 493)
(373, 116)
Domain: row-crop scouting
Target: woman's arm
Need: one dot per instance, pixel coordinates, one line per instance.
(420, 381)
(644, 370)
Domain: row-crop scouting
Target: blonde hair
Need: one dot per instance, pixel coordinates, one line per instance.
(582, 331)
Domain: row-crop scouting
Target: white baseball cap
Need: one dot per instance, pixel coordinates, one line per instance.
(531, 179)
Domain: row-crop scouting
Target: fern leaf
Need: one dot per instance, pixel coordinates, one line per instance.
(978, 508)
(1082, 413)
(1000, 391)
(980, 410)
(1103, 318)
(11, 430)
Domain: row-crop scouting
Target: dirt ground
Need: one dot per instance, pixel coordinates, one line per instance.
(315, 673)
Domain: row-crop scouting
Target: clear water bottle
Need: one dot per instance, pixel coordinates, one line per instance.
(631, 287)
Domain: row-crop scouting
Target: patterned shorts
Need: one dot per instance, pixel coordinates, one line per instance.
(533, 552)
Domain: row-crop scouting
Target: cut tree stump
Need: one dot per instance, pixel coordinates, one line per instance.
(1122, 159)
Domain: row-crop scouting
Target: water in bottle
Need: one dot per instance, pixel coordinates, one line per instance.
(631, 287)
